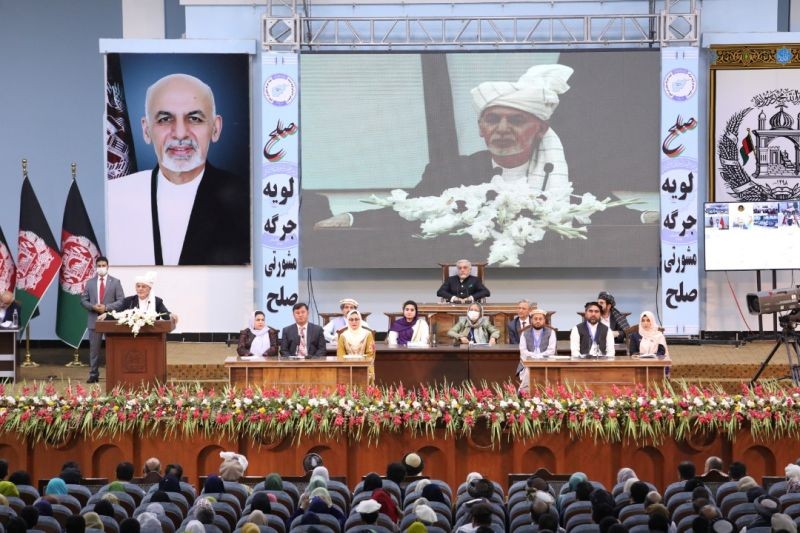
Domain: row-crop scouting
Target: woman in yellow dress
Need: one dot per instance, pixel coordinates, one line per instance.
(357, 340)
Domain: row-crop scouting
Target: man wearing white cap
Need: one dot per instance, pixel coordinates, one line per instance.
(536, 342)
(513, 122)
(332, 328)
(144, 299)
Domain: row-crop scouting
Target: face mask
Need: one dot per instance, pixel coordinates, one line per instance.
(102, 271)
(473, 315)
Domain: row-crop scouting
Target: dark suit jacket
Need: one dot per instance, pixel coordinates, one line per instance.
(513, 327)
(471, 286)
(113, 294)
(219, 226)
(129, 302)
(315, 341)
(10, 312)
(246, 338)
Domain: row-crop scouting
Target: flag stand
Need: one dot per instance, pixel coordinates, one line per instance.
(27, 362)
(76, 362)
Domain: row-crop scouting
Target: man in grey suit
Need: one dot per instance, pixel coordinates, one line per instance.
(302, 338)
(100, 294)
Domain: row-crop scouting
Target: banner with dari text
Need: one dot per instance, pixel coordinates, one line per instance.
(280, 186)
(679, 183)
(38, 259)
(79, 250)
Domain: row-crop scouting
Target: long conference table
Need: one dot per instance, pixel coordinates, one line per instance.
(452, 364)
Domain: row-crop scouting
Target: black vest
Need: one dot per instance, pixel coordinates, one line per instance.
(543, 341)
(586, 338)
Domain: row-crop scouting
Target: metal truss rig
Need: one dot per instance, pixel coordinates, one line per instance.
(292, 31)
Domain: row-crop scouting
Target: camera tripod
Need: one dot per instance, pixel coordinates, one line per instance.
(788, 339)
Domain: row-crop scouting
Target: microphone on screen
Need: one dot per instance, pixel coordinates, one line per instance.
(548, 168)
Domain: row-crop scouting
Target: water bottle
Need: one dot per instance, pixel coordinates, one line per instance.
(15, 319)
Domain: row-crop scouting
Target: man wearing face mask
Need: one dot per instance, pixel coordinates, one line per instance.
(591, 337)
(101, 293)
(7, 307)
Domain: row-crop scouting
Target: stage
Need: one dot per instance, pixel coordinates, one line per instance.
(203, 362)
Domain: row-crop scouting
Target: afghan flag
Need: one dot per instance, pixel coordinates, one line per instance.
(79, 251)
(747, 147)
(38, 259)
(8, 272)
(120, 155)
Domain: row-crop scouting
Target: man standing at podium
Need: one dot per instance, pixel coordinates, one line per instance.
(99, 295)
(145, 300)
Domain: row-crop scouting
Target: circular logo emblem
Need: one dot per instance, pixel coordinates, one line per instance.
(77, 263)
(6, 269)
(680, 84)
(783, 55)
(280, 89)
(34, 259)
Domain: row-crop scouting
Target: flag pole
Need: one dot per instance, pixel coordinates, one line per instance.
(76, 361)
(27, 363)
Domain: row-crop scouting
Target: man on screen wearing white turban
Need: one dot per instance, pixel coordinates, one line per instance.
(145, 299)
(513, 122)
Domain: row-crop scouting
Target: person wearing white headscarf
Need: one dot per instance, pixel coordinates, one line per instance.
(649, 340)
(258, 339)
(513, 120)
(335, 325)
(357, 340)
(145, 299)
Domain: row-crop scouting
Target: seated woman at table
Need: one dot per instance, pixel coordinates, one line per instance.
(356, 339)
(649, 340)
(474, 328)
(257, 339)
(409, 328)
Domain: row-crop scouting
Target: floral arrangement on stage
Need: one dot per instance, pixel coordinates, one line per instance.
(669, 411)
(135, 319)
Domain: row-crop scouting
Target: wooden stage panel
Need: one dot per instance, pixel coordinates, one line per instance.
(599, 375)
(281, 373)
(447, 458)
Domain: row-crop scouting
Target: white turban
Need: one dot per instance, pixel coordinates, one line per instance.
(348, 301)
(231, 456)
(148, 279)
(536, 92)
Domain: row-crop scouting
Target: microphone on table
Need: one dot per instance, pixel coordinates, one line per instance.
(548, 168)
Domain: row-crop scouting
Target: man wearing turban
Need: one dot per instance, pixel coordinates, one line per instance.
(145, 299)
(513, 122)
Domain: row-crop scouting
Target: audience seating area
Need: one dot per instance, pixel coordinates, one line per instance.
(524, 503)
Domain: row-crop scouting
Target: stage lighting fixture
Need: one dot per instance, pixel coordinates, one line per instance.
(773, 301)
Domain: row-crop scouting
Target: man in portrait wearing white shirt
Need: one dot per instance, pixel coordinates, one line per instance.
(591, 337)
(100, 294)
(185, 211)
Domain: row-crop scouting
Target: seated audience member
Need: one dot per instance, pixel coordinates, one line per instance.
(765, 507)
(7, 308)
(44, 507)
(213, 485)
(783, 523)
(258, 339)
(387, 503)
(686, 471)
(658, 523)
(571, 485)
(30, 514)
(261, 502)
(474, 328)
(332, 328)
(145, 299)
(649, 340)
(737, 470)
(169, 483)
(792, 472)
(321, 503)
(56, 486)
(71, 473)
(624, 474)
(273, 481)
(20, 477)
(409, 328)
(515, 326)
(355, 339)
(713, 462)
(591, 337)
(194, 526)
(233, 466)
(368, 510)
(425, 513)
(132, 525)
(396, 472)
(302, 339)
(93, 521)
(104, 508)
(611, 317)
(547, 522)
(7, 488)
(583, 492)
(538, 341)
(75, 524)
(413, 463)
(151, 471)
(124, 471)
(3, 469)
(433, 493)
(463, 287)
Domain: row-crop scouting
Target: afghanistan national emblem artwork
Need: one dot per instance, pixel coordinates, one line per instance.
(34, 258)
(77, 263)
(759, 151)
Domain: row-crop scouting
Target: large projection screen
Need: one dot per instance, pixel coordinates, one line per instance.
(378, 122)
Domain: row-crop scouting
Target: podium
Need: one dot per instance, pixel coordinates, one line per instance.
(8, 354)
(132, 360)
